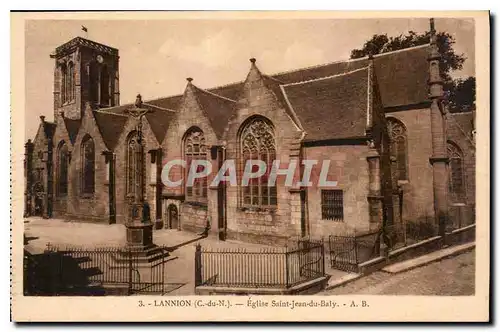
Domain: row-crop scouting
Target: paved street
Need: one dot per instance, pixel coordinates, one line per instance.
(450, 276)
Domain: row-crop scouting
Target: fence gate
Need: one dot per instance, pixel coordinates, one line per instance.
(311, 257)
(343, 253)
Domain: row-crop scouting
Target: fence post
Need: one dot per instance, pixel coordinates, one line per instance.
(197, 265)
(129, 251)
(323, 256)
(286, 268)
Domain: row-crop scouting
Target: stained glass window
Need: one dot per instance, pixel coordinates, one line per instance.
(257, 142)
(62, 169)
(456, 173)
(88, 165)
(195, 149)
(398, 149)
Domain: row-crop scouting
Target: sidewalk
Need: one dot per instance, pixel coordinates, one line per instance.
(429, 258)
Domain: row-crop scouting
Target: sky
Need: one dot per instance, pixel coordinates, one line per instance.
(156, 56)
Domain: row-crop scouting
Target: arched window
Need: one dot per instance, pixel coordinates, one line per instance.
(64, 83)
(71, 82)
(88, 165)
(257, 142)
(195, 149)
(132, 163)
(62, 169)
(93, 82)
(104, 86)
(456, 183)
(398, 149)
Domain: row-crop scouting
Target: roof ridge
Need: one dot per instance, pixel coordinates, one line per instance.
(273, 78)
(159, 107)
(214, 94)
(326, 77)
(109, 113)
(349, 60)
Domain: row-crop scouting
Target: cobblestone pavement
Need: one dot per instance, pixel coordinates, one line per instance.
(450, 276)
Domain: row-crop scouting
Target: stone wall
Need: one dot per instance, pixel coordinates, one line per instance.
(92, 207)
(418, 202)
(349, 167)
(192, 216)
(60, 135)
(270, 225)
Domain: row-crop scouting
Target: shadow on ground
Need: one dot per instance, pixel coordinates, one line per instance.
(43, 276)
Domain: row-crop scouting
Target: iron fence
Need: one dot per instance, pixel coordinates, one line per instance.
(96, 271)
(406, 233)
(266, 268)
(347, 251)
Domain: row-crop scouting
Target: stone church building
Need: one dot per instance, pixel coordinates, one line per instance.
(396, 153)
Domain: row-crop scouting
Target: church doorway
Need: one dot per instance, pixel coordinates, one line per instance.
(38, 193)
(172, 217)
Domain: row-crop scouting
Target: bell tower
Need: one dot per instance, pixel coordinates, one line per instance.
(85, 72)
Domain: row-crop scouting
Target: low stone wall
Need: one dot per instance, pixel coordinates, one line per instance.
(462, 235)
(306, 288)
(458, 236)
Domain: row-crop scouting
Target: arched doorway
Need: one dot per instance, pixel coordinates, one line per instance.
(38, 195)
(172, 217)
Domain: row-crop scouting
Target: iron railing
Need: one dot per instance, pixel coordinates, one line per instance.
(84, 271)
(282, 267)
(347, 251)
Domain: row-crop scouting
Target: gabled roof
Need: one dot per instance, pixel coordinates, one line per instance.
(159, 119)
(110, 126)
(331, 107)
(72, 127)
(401, 79)
(402, 75)
(49, 129)
(217, 108)
(159, 122)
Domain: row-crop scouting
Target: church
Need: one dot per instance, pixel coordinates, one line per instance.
(401, 158)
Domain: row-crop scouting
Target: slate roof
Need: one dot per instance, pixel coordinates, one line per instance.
(331, 107)
(72, 127)
(217, 108)
(110, 125)
(49, 129)
(159, 121)
(401, 76)
(464, 120)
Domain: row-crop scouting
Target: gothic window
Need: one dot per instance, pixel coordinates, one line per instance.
(70, 90)
(88, 165)
(332, 205)
(456, 183)
(132, 163)
(104, 86)
(195, 149)
(257, 142)
(62, 169)
(64, 83)
(398, 149)
(93, 83)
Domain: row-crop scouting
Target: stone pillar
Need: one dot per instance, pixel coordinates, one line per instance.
(439, 158)
(376, 207)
